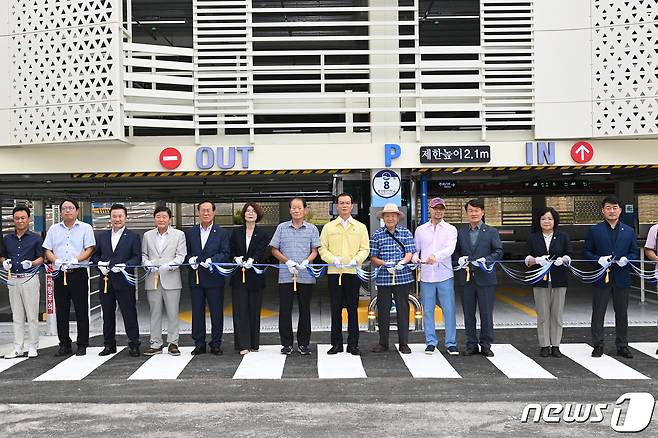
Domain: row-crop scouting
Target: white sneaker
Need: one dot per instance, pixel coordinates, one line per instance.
(14, 354)
(32, 352)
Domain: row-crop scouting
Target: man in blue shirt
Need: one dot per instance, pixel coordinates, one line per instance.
(69, 245)
(22, 253)
(391, 248)
(295, 243)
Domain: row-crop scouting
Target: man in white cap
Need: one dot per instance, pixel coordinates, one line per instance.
(391, 248)
(435, 242)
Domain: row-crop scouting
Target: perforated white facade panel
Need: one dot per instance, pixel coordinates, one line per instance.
(64, 70)
(625, 67)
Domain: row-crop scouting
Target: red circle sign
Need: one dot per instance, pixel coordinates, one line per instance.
(582, 152)
(170, 158)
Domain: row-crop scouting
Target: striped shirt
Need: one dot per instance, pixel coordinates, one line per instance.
(384, 247)
(296, 244)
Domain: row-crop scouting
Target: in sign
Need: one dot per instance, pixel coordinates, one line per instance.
(170, 158)
(582, 152)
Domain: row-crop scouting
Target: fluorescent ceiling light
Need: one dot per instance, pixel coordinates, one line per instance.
(596, 173)
(449, 17)
(159, 22)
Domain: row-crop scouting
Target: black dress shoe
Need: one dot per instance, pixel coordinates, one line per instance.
(598, 351)
(107, 351)
(486, 352)
(64, 350)
(545, 351)
(198, 350)
(404, 349)
(335, 349)
(379, 348)
(354, 351)
(217, 351)
(624, 352)
(555, 352)
(82, 350)
(134, 351)
(471, 351)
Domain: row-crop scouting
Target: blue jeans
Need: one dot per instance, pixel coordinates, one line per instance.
(444, 293)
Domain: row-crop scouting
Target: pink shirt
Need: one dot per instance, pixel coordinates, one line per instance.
(439, 240)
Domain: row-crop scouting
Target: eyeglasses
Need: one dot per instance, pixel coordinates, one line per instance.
(68, 208)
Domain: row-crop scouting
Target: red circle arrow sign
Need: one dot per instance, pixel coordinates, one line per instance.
(582, 152)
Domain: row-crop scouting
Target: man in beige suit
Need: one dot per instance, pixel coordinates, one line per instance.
(163, 249)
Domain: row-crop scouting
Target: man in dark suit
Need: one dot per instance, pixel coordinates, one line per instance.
(207, 243)
(477, 243)
(611, 243)
(117, 250)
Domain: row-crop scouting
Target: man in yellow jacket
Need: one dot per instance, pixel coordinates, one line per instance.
(345, 244)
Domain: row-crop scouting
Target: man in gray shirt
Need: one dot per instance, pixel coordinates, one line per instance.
(295, 243)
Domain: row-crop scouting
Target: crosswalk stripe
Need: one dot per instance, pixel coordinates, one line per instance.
(77, 367)
(339, 366)
(648, 348)
(267, 363)
(163, 366)
(5, 364)
(605, 367)
(517, 365)
(423, 365)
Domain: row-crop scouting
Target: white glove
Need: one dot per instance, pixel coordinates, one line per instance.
(118, 267)
(463, 261)
(58, 264)
(622, 262)
(527, 260)
(604, 261)
(415, 259)
(337, 262)
(481, 260)
(193, 262)
(167, 267)
(542, 261)
(150, 266)
(303, 264)
(207, 263)
(566, 260)
(400, 266)
(249, 263)
(353, 263)
(239, 260)
(292, 266)
(391, 270)
(102, 266)
(558, 261)
(6, 265)
(26, 264)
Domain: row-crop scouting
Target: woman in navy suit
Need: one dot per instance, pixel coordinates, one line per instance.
(548, 243)
(248, 245)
